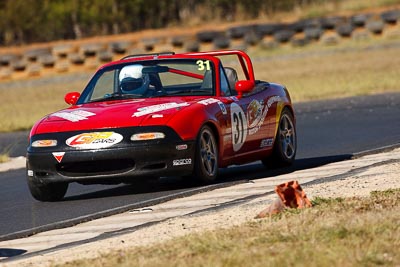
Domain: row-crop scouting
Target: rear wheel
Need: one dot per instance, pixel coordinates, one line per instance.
(285, 147)
(47, 192)
(206, 158)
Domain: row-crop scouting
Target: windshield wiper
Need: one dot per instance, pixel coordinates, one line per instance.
(190, 91)
(116, 96)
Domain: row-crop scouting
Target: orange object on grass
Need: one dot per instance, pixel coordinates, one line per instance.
(291, 195)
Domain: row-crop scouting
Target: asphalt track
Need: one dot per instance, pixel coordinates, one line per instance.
(328, 131)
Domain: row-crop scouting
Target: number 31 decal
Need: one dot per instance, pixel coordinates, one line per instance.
(239, 126)
(203, 64)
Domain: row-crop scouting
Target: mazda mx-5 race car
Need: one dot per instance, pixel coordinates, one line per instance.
(160, 115)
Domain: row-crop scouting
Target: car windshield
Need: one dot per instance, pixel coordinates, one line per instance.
(153, 78)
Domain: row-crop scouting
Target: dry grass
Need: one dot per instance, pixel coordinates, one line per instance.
(335, 232)
(22, 106)
(335, 73)
(4, 157)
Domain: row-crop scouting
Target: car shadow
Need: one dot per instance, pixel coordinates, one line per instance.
(227, 177)
(11, 252)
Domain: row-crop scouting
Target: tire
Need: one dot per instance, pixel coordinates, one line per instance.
(208, 36)
(90, 50)
(221, 42)
(47, 60)
(391, 16)
(268, 29)
(360, 20)
(47, 192)
(179, 41)
(105, 56)
(285, 147)
(313, 33)
(330, 23)
(192, 46)
(120, 47)
(299, 42)
(206, 157)
(344, 29)
(252, 38)
(238, 32)
(375, 26)
(284, 36)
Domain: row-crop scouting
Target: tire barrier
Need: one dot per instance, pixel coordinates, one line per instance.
(69, 56)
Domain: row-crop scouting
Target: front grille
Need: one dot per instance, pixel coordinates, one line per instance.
(98, 167)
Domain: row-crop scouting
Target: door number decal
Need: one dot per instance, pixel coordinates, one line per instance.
(239, 126)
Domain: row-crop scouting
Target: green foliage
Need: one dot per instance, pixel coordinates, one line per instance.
(27, 21)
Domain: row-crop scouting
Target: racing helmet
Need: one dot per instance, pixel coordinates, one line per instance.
(132, 80)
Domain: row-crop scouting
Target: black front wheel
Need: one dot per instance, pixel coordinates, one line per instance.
(206, 158)
(47, 191)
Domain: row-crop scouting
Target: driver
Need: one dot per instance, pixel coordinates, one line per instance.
(132, 80)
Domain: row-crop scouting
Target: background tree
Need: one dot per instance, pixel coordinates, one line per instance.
(27, 21)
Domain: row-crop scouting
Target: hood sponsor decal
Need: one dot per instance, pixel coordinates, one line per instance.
(157, 116)
(208, 101)
(156, 108)
(223, 108)
(58, 156)
(94, 140)
(73, 116)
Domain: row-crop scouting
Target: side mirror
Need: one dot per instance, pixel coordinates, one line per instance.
(72, 98)
(243, 87)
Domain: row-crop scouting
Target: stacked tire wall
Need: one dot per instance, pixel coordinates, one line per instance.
(88, 54)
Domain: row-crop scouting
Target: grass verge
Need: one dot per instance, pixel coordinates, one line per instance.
(335, 232)
(4, 157)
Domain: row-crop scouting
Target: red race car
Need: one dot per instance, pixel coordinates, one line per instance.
(159, 115)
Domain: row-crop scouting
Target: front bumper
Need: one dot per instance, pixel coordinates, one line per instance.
(126, 160)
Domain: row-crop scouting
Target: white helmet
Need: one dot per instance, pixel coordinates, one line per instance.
(131, 71)
(131, 79)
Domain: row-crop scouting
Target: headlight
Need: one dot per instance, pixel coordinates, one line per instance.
(147, 136)
(44, 143)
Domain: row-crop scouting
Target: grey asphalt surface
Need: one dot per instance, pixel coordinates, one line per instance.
(328, 131)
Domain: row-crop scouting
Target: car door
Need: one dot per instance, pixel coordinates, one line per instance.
(244, 119)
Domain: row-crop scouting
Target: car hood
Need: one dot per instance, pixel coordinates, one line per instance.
(115, 114)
